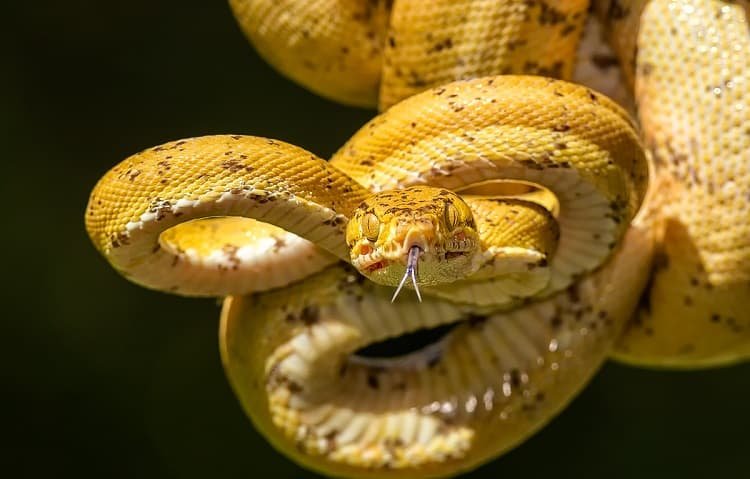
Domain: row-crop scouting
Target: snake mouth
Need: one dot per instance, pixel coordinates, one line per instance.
(403, 254)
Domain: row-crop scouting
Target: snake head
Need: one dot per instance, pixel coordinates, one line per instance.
(435, 225)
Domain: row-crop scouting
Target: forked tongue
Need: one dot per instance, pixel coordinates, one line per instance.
(412, 261)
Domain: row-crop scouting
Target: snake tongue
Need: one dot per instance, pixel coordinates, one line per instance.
(412, 262)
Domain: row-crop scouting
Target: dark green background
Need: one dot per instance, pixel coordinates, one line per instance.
(104, 379)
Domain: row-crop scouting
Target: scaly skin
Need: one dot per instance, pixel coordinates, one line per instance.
(437, 221)
(694, 316)
(440, 41)
(597, 172)
(490, 384)
(690, 64)
(577, 144)
(498, 376)
(382, 230)
(172, 184)
(574, 142)
(332, 47)
(377, 52)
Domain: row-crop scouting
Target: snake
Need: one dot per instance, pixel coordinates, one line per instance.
(525, 212)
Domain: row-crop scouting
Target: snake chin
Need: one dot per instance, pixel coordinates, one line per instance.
(436, 265)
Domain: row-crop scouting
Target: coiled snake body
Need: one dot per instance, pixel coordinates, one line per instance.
(539, 263)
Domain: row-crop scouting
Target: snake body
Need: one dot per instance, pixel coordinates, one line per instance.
(689, 62)
(583, 148)
(377, 52)
(562, 264)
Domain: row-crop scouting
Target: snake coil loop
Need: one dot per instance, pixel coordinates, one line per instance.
(545, 233)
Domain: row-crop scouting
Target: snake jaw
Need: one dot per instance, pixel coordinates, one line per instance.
(372, 260)
(393, 262)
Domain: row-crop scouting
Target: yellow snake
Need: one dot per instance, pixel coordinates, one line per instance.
(539, 262)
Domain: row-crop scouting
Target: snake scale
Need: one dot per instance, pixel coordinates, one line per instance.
(527, 210)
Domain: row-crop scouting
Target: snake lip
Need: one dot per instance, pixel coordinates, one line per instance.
(460, 245)
(370, 262)
(376, 266)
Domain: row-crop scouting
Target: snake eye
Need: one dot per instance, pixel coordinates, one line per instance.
(452, 216)
(371, 227)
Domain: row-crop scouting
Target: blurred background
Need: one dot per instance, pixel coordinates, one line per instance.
(105, 379)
